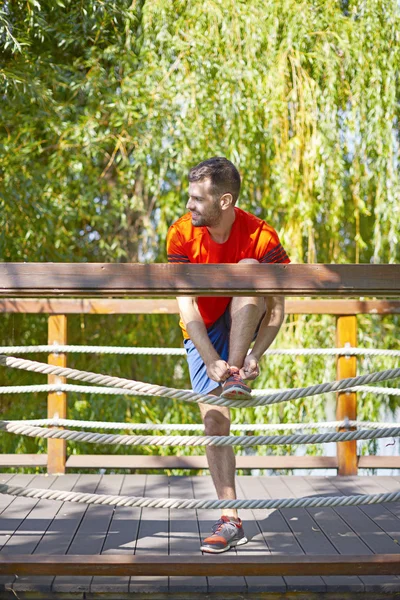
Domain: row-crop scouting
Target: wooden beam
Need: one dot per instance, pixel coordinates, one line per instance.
(346, 402)
(82, 279)
(23, 460)
(341, 307)
(89, 461)
(105, 306)
(160, 565)
(57, 401)
(379, 462)
(90, 306)
(138, 461)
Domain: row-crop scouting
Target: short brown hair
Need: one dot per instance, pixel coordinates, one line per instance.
(224, 176)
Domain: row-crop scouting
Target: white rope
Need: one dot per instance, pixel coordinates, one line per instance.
(363, 389)
(156, 390)
(65, 387)
(199, 426)
(203, 440)
(83, 389)
(59, 349)
(178, 503)
(149, 351)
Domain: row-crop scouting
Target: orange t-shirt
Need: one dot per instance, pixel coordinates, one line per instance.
(250, 237)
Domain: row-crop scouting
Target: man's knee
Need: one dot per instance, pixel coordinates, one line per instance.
(249, 260)
(216, 424)
(256, 302)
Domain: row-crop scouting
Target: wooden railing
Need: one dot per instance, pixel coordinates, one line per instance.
(162, 280)
(52, 281)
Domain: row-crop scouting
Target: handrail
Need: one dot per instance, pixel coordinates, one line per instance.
(163, 280)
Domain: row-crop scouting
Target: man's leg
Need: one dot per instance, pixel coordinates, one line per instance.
(221, 460)
(228, 531)
(246, 314)
(216, 419)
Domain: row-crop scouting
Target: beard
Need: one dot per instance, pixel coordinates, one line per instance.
(211, 218)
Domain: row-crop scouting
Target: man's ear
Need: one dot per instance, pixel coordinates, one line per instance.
(226, 201)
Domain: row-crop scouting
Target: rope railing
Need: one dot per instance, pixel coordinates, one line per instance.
(82, 389)
(199, 426)
(363, 389)
(178, 503)
(146, 351)
(116, 385)
(162, 391)
(244, 441)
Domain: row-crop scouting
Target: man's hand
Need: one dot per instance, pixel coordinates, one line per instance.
(218, 370)
(250, 369)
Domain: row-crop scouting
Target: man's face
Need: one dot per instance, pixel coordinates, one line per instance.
(204, 209)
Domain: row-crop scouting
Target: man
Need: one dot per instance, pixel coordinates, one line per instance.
(218, 331)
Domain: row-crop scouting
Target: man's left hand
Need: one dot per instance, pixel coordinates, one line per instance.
(250, 369)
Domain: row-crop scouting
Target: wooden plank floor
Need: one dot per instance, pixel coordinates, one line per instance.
(29, 526)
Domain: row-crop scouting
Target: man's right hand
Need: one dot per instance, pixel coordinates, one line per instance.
(218, 370)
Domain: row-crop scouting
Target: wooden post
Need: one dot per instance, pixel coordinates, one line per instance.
(346, 406)
(57, 401)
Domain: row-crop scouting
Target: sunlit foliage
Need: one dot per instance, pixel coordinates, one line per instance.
(106, 105)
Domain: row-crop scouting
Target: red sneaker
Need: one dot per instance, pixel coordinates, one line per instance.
(225, 534)
(234, 387)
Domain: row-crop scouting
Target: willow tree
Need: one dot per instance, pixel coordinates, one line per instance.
(105, 106)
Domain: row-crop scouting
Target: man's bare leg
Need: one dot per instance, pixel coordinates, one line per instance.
(246, 314)
(221, 461)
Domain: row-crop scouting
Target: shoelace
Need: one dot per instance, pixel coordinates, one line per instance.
(219, 524)
(235, 376)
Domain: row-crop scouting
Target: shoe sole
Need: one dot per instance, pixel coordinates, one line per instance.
(234, 393)
(221, 550)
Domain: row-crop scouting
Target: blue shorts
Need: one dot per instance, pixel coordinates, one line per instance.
(218, 334)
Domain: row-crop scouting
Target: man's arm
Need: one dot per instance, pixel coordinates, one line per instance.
(268, 331)
(217, 369)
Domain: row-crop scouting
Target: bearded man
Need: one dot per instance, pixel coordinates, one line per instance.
(218, 331)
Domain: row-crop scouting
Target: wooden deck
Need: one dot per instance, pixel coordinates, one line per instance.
(51, 528)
